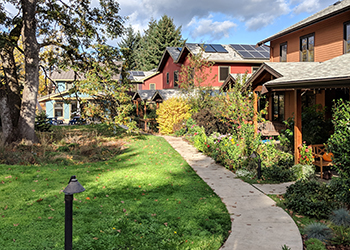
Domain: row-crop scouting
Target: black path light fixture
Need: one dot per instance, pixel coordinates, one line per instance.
(73, 187)
(256, 155)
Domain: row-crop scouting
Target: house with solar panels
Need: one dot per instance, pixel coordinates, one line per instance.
(309, 65)
(229, 60)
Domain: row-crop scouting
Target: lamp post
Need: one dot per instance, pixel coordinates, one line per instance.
(256, 155)
(73, 187)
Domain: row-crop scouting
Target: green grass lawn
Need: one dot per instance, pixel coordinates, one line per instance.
(148, 197)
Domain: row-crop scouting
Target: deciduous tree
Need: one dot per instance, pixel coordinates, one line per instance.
(76, 28)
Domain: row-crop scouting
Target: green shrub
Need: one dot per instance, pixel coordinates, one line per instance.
(171, 112)
(318, 231)
(277, 174)
(314, 244)
(63, 149)
(341, 188)
(302, 172)
(341, 235)
(339, 142)
(311, 198)
(42, 123)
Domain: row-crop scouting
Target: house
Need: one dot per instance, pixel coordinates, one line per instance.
(63, 103)
(308, 65)
(227, 59)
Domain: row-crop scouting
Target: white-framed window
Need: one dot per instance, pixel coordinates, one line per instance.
(223, 73)
(152, 86)
(58, 109)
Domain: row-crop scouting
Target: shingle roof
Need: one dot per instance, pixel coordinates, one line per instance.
(332, 73)
(164, 93)
(332, 10)
(174, 52)
(68, 74)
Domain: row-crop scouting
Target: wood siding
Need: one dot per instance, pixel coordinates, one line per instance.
(329, 40)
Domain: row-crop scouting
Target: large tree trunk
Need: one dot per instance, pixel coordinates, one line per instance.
(31, 83)
(10, 99)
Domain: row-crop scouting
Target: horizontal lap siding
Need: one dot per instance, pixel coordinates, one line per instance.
(329, 43)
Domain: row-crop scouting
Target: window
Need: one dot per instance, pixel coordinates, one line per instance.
(278, 107)
(58, 109)
(283, 52)
(307, 48)
(152, 86)
(223, 73)
(167, 78)
(347, 37)
(176, 79)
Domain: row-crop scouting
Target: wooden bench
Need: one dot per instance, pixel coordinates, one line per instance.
(317, 151)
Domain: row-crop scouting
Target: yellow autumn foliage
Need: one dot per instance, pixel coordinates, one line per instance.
(171, 112)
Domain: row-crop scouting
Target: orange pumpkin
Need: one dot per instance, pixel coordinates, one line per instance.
(327, 156)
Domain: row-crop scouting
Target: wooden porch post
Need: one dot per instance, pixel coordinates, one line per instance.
(255, 117)
(137, 108)
(297, 124)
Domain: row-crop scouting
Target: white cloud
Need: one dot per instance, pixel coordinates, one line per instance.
(307, 6)
(210, 28)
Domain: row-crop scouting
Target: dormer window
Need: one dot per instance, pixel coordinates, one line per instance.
(307, 44)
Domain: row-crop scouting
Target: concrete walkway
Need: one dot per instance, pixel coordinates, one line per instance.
(257, 223)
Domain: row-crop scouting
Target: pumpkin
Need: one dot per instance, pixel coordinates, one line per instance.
(327, 156)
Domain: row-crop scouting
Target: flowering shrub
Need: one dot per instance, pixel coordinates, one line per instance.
(305, 154)
(171, 112)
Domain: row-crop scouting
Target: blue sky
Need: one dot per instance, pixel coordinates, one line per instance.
(222, 21)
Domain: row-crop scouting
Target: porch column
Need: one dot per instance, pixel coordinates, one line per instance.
(137, 108)
(255, 117)
(297, 124)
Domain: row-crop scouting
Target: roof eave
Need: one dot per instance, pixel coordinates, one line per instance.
(346, 8)
(311, 83)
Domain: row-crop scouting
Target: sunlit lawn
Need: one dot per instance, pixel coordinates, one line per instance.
(146, 198)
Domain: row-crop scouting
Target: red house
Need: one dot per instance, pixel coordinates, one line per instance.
(228, 59)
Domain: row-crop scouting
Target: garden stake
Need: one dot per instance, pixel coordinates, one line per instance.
(73, 187)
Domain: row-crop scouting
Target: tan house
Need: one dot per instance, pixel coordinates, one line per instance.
(309, 64)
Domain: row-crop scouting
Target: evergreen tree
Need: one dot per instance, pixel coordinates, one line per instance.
(158, 36)
(128, 47)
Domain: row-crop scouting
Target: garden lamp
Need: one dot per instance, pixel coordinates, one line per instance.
(256, 155)
(73, 187)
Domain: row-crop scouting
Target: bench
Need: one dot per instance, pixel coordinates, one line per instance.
(269, 128)
(317, 151)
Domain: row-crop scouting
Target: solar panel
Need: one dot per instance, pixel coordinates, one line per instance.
(208, 48)
(247, 47)
(266, 54)
(256, 54)
(219, 48)
(245, 54)
(179, 49)
(237, 47)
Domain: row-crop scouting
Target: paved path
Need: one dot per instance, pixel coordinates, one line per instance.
(257, 223)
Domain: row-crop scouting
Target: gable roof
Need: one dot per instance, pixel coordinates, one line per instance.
(231, 54)
(172, 52)
(150, 95)
(332, 10)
